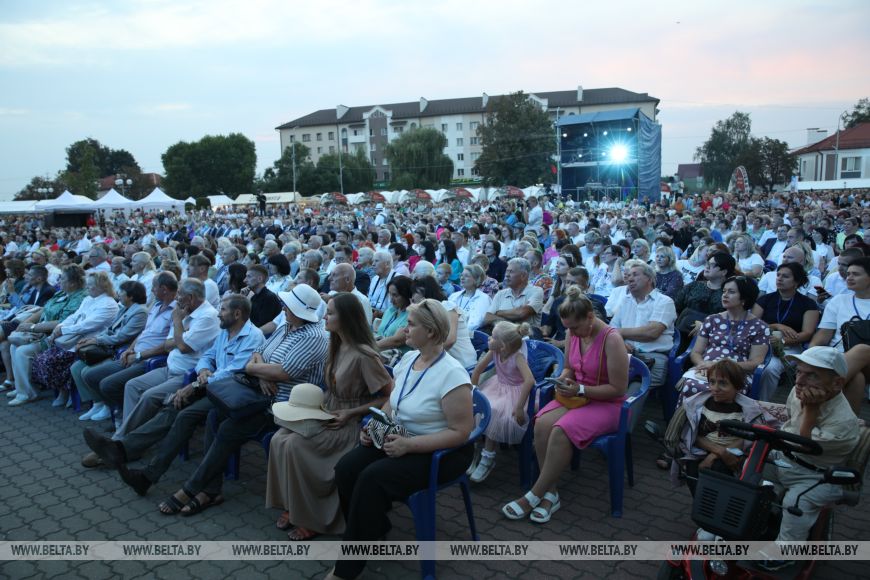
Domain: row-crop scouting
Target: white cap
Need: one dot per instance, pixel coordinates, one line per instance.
(823, 357)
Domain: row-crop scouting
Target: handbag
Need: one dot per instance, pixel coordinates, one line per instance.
(93, 354)
(685, 322)
(380, 427)
(238, 399)
(578, 401)
(854, 332)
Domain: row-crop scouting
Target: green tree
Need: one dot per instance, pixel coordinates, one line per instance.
(518, 142)
(860, 114)
(354, 171)
(83, 172)
(108, 161)
(417, 160)
(777, 165)
(214, 163)
(726, 147)
(30, 191)
(279, 177)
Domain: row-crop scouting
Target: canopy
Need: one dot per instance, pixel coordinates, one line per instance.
(462, 192)
(421, 195)
(275, 197)
(66, 202)
(18, 206)
(377, 197)
(334, 197)
(157, 199)
(515, 192)
(219, 200)
(113, 200)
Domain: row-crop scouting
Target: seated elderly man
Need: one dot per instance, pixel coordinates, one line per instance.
(236, 342)
(817, 409)
(646, 319)
(378, 294)
(342, 280)
(519, 301)
(195, 327)
(294, 354)
(229, 255)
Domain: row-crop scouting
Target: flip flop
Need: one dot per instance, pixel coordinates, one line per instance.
(663, 461)
(283, 522)
(195, 506)
(298, 534)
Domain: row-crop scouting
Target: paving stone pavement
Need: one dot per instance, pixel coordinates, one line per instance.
(45, 494)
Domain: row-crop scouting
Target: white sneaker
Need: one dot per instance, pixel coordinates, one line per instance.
(705, 536)
(61, 399)
(103, 413)
(86, 416)
(483, 468)
(12, 394)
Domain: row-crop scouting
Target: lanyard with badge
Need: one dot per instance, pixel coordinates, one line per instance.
(402, 395)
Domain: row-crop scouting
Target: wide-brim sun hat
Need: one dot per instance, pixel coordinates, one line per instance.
(304, 302)
(305, 402)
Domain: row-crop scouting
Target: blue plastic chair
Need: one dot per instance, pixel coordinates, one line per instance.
(769, 266)
(545, 360)
(616, 446)
(480, 342)
(155, 362)
(667, 394)
(422, 503)
(755, 389)
(189, 377)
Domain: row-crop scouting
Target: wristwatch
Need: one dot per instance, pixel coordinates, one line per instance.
(138, 356)
(581, 390)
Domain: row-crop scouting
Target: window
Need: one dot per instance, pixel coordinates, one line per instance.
(413, 125)
(373, 147)
(385, 163)
(386, 175)
(429, 126)
(292, 138)
(332, 148)
(475, 155)
(306, 137)
(383, 131)
(319, 150)
(331, 135)
(374, 160)
(443, 127)
(460, 156)
(473, 141)
(460, 142)
(459, 126)
(475, 171)
(398, 130)
(355, 132)
(320, 136)
(473, 125)
(850, 167)
(460, 172)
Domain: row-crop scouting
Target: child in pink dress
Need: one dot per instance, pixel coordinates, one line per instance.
(507, 390)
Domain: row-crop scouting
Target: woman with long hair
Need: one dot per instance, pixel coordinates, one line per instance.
(748, 259)
(301, 473)
(447, 251)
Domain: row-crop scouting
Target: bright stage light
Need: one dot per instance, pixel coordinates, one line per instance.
(618, 153)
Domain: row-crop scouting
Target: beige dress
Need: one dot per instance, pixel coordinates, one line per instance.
(301, 476)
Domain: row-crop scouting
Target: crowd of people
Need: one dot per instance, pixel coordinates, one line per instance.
(299, 320)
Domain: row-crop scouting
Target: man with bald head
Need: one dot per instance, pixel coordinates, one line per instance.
(342, 279)
(795, 254)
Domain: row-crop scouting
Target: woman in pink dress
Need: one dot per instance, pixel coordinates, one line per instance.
(589, 399)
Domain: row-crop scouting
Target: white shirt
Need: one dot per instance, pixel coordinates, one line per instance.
(775, 254)
(836, 285)
(841, 309)
(462, 350)
(419, 409)
(201, 328)
(93, 316)
(531, 295)
(212, 293)
(462, 254)
(536, 218)
(768, 285)
(656, 307)
(474, 307)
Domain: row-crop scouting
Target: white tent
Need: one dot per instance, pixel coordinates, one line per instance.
(190, 200)
(157, 199)
(220, 200)
(113, 200)
(18, 206)
(276, 197)
(66, 202)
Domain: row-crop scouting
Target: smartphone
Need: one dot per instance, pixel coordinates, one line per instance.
(556, 381)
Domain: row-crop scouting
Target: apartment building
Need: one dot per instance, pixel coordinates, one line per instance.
(371, 127)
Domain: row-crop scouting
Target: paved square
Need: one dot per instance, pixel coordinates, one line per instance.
(45, 494)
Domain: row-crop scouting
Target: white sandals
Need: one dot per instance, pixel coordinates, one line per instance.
(540, 515)
(513, 511)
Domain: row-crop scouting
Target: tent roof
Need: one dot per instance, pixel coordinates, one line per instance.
(28, 206)
(601, 117)
(113, 199)
(66, 202)
(159, 199)
(219, 200)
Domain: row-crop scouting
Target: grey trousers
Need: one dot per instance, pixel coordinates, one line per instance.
(107, 380)
(144, 396)
(170, 427)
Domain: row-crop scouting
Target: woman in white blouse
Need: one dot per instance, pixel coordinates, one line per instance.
(749, 261)
(432, 400)
(471, 300)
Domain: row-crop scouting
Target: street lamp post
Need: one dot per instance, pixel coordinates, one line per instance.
(45, 191)
(123, 184)
(837, 144)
